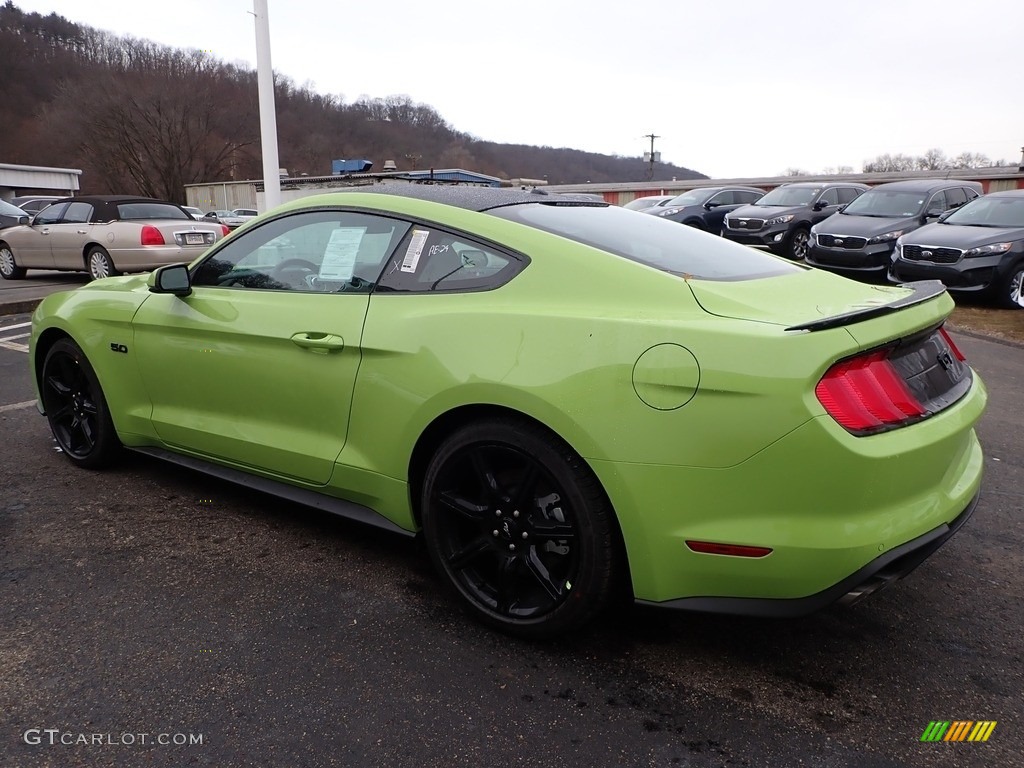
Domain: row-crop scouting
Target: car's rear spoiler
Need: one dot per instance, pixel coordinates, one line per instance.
(922, 291)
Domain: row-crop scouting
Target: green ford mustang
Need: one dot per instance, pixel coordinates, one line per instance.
(570, 401)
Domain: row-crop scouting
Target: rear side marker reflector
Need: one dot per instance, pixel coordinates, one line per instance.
(735, 550)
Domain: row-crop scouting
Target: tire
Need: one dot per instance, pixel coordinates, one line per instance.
(520, 529)
(99, 264)
(9, 270)
(798, 244)
(696, 224)
(1010, 293)
(75, 407)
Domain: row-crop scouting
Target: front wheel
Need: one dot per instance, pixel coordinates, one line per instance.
(1011, 289)
(100, 264)
(798, 244)
(75, 407)
(9, 269)
(519, 527)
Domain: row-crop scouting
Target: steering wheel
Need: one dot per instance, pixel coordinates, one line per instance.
(299, 268)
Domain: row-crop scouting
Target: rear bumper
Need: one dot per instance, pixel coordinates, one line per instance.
(873, 577)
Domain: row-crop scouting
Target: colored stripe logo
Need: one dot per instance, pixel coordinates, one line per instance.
(958, 730)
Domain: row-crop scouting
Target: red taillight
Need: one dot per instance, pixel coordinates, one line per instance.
(225, 230)
(717, 548)
(952, 346)
(866, 394)
(152, 236)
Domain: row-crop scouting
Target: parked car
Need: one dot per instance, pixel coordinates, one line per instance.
(227, 218)
(978, 248)
(195, 213)
(104, 235)
(781, 221)
(32, 204)
(648, 201)
(10, 215)
(705, 207)
(246, 213)
(858, 241)
(427, 359)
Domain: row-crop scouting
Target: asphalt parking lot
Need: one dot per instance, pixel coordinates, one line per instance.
(185, 621)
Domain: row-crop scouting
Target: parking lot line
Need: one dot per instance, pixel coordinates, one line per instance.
(15, 336)
(16, 406)
(14, 345)
(13, 326)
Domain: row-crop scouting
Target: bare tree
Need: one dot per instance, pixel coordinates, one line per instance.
(887, 163)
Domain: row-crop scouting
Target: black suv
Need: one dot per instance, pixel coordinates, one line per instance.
(705, 207)
(859, 240)
(781, 220)
(977, 248)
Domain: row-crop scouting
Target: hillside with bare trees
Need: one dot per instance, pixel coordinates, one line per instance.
(142, 118)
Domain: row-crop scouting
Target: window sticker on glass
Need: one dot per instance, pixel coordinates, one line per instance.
(340, 254)
(415, 250)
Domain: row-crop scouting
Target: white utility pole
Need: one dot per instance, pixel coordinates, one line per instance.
(268, 114)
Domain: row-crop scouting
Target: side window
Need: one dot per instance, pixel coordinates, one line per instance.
(937, 204)
(848, 195)
(321, 252)
(956, 197)
(971, 193)
(77, 213)
(725, 197)
(749, 197)
(429, 260)
(50, 215)
(830, 196)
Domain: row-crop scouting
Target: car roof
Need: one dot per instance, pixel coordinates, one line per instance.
(824, 184)
(105, 206)
(927, 185)
(1007, 193)
(478, 198)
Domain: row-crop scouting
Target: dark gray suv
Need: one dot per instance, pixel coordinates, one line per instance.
(781, 221)
(706, 207)
(859, 240)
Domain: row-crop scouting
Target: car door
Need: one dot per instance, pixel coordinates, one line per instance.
(257, 366)
(829, 204)
(69, 236)
(720, 204)
(31, 244)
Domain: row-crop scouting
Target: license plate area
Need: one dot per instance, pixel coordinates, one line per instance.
(932, 371)
(195, 238)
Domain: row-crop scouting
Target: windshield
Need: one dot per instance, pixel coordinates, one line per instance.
(693, 197)
(789, 196)
(10, 210)
(887, 204)
(128, 211)
(990, 212)
(650, 240)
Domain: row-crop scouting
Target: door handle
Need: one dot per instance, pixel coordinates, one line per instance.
(82, 231)
(315, 340)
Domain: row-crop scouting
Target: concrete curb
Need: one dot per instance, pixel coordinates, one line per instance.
(19, 307)
(986, 337)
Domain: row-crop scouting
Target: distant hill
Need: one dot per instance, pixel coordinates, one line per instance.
(143, 118)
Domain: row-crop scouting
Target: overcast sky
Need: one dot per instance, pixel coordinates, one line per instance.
(740, 88)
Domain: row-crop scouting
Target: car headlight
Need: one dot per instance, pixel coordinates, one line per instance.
(897, 252)
(886, 237)
(986, 250)
(779, 220)
(668, 211)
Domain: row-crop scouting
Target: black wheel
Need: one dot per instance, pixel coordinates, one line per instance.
(798, 244)
(76, 408)
(9, 270)
(100, 264)
(1010, 291)
(519, 527)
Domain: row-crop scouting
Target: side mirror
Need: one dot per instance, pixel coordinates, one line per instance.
(173, 278)
(945, 215)
(23, 220)
(932, 214)
(709, 205)
(820, 205)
